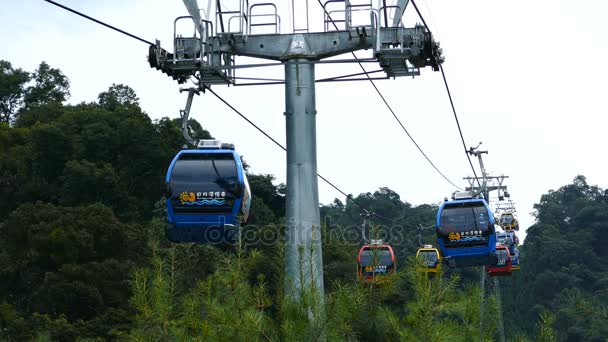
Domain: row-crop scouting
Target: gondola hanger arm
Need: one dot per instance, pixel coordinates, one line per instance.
(473, 151)
(185, 113)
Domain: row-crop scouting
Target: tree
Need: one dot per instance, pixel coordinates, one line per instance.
(546, 333)
(51, 85)
(68, 264)
(15, 167)
(44, 114)
(87, 182)
(270, 194)
(118, 95)
(51, 150)
(562, 267)
(12, 90)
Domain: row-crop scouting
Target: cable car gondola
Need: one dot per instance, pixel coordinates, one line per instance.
(503, 266)
(207, 193)
(430, 258)
(501, 238)
(509, 239)
(515, 261)
(508, 221)
(465, 231)
(513, 250)
(375, 262)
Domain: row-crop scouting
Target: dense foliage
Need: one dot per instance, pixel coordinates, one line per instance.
(563, 265)
(83, 254)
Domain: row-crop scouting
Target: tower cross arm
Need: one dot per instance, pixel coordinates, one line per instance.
(413, 42)
(315, 45)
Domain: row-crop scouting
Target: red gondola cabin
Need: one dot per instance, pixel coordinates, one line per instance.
(503, 266)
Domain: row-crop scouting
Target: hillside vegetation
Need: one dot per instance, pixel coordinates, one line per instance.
(83, 254)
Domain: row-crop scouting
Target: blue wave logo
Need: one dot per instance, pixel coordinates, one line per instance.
(206, 202)
(469, 239)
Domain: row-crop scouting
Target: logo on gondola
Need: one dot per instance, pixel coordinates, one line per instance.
(379, 268)
(203, 198)
(187, 197)
(454, 236)
(474, 235)
(471, 238)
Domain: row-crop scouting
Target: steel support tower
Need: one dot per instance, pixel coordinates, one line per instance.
(207, 54)
(502, 189)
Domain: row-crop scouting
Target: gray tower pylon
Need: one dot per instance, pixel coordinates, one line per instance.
(303, 248)
(482, 299)
(501, 323)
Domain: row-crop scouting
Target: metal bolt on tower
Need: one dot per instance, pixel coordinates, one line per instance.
(207, 53)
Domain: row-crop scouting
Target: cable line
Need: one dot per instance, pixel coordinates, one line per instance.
(246, 119)
(99, 22)
(391, 109)
(447, 88)
(285, 149)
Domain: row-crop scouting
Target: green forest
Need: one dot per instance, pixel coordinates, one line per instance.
(83, 253)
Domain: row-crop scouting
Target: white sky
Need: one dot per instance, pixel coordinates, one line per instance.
(527, 77)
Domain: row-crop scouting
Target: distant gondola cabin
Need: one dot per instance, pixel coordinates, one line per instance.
(509, 239)
(429, 258)
(508, 221)
(503, 266)
(375, 262)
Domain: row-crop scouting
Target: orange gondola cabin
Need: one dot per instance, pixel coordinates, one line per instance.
(375, 262)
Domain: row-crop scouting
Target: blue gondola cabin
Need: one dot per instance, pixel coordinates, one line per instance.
(465, 231)
(207, 194)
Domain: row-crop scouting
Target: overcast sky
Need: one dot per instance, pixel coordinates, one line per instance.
(528, 79)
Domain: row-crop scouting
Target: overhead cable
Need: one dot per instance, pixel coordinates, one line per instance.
(447, 88)
(285, 149)
(99, 22)
(390, 108)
